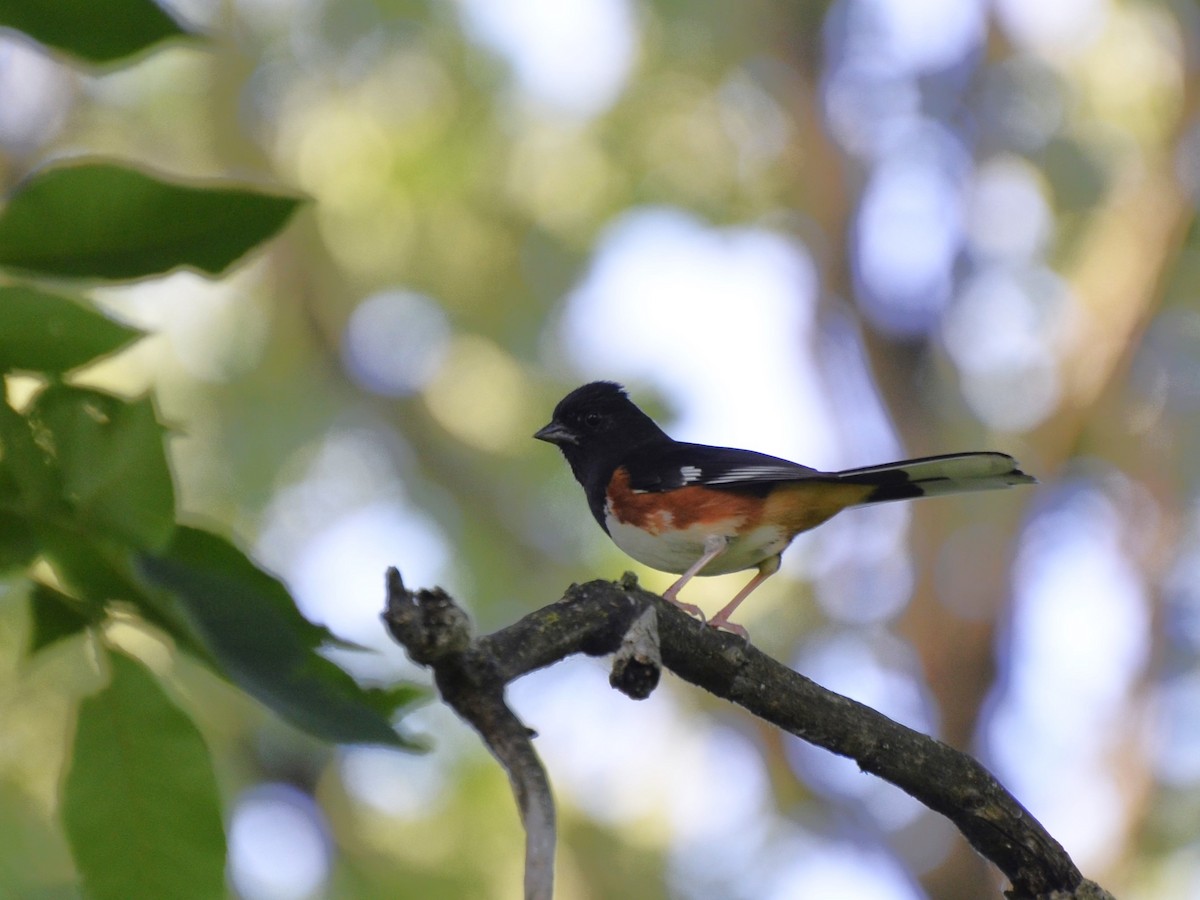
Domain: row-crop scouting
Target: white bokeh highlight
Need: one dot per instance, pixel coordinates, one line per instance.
(1004, 333)
(394, 782)
(216, 331)
(1008, 216)
(1078, 645)
(394, 342)
(720, 320)
(650, 764)
(928, 35)
(333, 529)
(908, 235)
(1061, 28)
(37, 93)
(817, 867)
(278, 846)
(337, 577)
(570, 56)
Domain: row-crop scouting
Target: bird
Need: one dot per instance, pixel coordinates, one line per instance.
(693, 509)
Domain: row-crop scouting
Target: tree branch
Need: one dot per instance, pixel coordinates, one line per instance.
(645, 632)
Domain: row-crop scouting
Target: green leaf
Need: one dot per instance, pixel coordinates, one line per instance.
(92, 31)
(215, 556)
(45, 332)
(35, 862)
(27, 478)
(140, 803)
(112, 462)
(99, 571)
(57, 616)
(18, 544)
(89, 566)
(102, 220)
(249, 622)
(390, 701)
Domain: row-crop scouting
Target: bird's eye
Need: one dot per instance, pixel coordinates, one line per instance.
(592, 419)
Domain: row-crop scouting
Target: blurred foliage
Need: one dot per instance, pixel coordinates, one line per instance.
(93, 32)
(130, 224)
(141, 787)
(89, 503)
(158, 420)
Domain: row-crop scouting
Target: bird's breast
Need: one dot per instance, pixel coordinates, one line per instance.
(676, 549)
(667, 530)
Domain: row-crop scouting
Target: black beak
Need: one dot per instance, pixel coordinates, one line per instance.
(555, 433)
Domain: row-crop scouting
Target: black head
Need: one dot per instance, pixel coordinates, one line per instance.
(595, 425)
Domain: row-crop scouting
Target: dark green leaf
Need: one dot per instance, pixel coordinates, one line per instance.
(92, 31)
(391, 700)
(18, 544)
(250, 624)
(101, 220)
(50, 333)
(87, 565)
(112, 462)
(57, 616)
(214, 556)
(27, 478)
(140, 803)
(98, 571)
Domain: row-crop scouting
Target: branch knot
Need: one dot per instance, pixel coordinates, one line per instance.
(428, 624)
(637, 664)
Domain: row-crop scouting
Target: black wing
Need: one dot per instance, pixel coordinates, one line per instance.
(662, 468)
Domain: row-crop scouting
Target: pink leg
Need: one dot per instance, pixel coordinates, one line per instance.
(766, 569)
(714, 546)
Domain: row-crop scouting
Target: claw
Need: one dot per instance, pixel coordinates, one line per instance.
(690, 608)
(732, 627)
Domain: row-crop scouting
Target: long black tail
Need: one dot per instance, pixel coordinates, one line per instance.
(933, 476)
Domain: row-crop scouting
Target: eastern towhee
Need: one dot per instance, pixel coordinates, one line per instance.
(699, 510)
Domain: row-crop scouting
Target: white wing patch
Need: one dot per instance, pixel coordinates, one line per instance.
(757, 473)
(691, 474)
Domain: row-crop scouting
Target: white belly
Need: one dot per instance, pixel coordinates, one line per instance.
(675, 551)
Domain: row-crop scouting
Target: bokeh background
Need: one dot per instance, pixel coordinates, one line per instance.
(841, 233)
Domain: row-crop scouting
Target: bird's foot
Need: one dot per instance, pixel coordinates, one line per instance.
(721, 624)
(690, 608)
